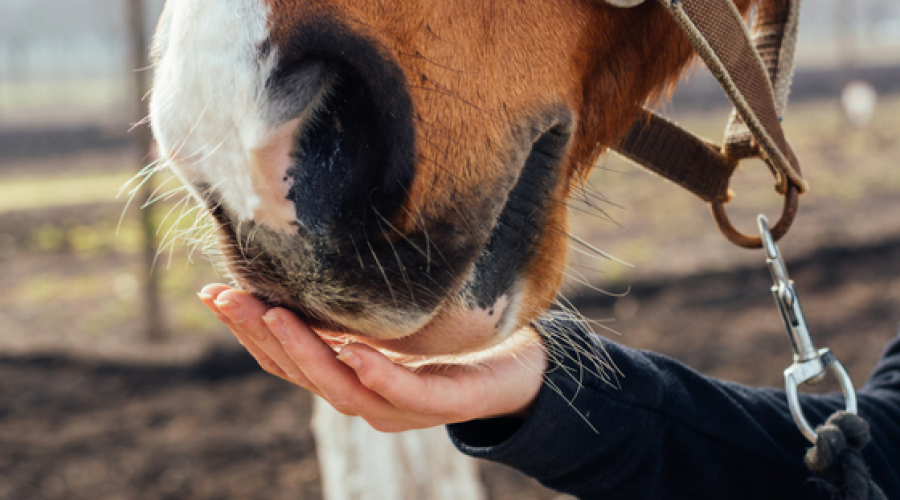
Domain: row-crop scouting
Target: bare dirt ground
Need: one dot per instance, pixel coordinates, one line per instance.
(91, 410)
(217, 428)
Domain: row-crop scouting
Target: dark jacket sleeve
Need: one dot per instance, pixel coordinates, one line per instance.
(647, 427)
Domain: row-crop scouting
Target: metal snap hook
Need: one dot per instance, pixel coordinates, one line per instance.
(810, 365)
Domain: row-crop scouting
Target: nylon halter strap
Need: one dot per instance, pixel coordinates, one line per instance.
(756, 75)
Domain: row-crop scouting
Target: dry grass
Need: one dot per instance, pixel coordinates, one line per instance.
(29, 193)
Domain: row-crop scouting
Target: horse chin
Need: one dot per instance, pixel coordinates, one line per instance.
(455, 331)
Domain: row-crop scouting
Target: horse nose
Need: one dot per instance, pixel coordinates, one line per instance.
(352, 160)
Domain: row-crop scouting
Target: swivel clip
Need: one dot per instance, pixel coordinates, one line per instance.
(810, 365)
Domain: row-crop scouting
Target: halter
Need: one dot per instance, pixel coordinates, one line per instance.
(755, 71)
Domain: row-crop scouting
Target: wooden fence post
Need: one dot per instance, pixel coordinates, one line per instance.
(359, 463)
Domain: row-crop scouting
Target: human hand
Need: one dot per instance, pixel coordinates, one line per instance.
(361, 381)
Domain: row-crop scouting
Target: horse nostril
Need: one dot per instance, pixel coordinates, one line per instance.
(295, 89)
(346, 169)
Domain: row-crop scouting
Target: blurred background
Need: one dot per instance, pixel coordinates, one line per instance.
(115, 382)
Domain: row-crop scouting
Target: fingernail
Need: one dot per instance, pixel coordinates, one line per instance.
(350, 359)
(231, 309)
(205, 296)
(276, 326)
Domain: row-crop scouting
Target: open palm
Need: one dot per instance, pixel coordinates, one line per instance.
(361, 381)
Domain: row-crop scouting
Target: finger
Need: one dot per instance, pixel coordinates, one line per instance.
(338, 384)
(431, 396)
(246, 313)
(208, 296)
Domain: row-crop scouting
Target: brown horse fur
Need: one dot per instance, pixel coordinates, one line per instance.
(482, 77)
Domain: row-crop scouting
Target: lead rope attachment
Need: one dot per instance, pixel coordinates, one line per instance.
(837, 452)
(837, 458)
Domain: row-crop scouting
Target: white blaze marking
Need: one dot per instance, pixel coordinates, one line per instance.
(208, 101)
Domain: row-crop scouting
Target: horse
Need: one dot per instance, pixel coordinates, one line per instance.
(397, 171)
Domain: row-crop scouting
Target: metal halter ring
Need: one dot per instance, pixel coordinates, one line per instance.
(625, 3)
(788, 212)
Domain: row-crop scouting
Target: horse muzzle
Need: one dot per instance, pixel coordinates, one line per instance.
(331, 198)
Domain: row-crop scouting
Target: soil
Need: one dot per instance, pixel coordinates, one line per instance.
(217, 428)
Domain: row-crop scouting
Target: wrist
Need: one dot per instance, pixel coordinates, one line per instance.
(527, 364)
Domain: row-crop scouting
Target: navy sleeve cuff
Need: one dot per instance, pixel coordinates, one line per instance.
(568, 429)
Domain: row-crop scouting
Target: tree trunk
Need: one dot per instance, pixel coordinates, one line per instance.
(359, 463)
(143, 138)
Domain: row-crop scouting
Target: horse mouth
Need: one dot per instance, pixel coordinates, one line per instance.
(440, 287)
